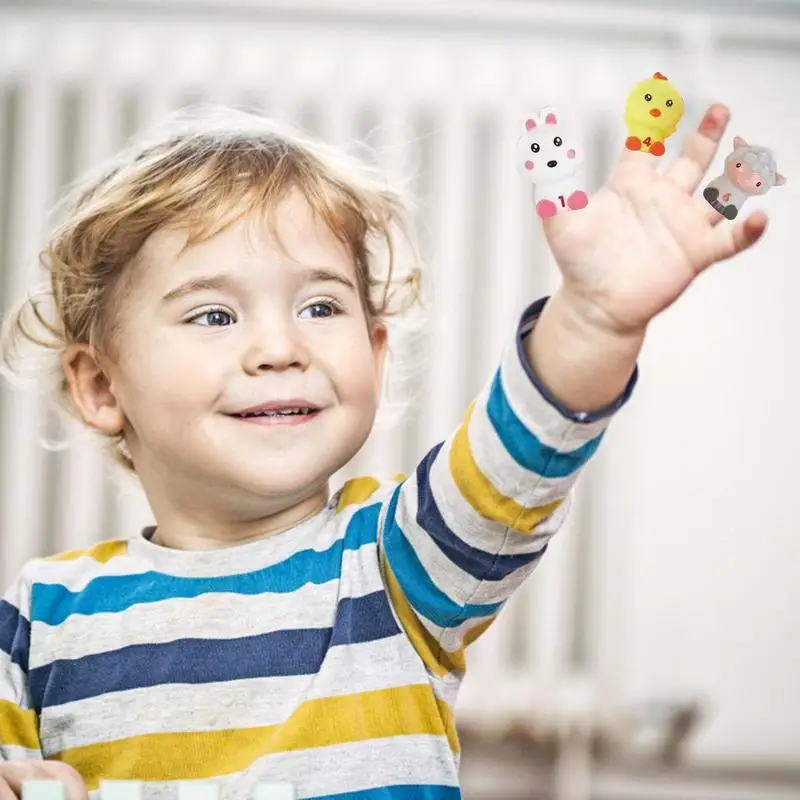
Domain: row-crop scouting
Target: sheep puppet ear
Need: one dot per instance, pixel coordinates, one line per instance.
(738, 142)
(780, 179)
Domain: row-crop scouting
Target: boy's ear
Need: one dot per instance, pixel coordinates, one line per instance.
(380, 348)
(90, 389)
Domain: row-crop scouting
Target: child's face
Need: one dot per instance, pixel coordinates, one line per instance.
(264, 329)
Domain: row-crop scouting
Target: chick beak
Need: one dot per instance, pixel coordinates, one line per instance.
(655, 112)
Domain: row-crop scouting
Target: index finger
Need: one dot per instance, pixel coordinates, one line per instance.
(17, 774)
(699, 149)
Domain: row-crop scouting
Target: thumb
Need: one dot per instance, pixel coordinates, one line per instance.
(15, 773)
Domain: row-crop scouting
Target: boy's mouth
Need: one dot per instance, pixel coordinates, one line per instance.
(285, 412)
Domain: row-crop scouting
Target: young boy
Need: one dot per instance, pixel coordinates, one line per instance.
(218, 313)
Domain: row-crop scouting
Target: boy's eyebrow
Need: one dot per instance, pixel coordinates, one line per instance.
(212, 283)
(223, 282)
(322, 275)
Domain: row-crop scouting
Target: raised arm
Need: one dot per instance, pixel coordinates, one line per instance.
(470, 525)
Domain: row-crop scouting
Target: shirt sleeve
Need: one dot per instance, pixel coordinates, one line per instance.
(462, 533)
(19, 723)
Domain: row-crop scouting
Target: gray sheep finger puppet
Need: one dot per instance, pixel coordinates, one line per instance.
(749, 170)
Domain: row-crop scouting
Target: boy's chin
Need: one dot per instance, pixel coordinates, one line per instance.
(285, 481)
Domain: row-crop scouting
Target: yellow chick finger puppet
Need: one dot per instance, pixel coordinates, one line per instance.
(652, 114)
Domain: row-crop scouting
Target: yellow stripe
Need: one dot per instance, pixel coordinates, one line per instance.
(18, 726)
(482, 495)
(438, 660)
(102, 552)
(429, 650)
(357, 490)
(404, 711)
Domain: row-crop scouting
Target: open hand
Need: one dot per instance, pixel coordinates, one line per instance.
(644, 237)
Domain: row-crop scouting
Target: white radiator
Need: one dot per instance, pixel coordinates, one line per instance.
(441, 93)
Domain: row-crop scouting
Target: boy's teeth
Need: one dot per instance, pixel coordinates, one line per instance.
(281, 413)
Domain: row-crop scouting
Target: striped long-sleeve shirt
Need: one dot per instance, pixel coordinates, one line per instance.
(329, 655)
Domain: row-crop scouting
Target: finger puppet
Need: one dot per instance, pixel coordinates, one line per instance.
(652, 113)
(548, 158)
(749, 170)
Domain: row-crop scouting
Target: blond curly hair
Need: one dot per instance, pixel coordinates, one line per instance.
(202, 169)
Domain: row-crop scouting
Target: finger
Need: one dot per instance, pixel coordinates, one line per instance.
(712, 216)
(6, 793)
(74, 786)
(726, 241)
(699, 149)
(15, 774)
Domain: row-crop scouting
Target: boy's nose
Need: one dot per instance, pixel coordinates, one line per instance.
(275, 349)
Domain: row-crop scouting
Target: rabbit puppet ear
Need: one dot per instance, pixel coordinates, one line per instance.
(529, 123)
(550, 115)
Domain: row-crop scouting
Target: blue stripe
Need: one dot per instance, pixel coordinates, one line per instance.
(424, 596)
(363, 619)
(524, 446)
(109, 594)
(478, 563)
(198, 661)
(15, 634)
(415, 792)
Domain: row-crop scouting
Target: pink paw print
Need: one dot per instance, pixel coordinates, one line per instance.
(577, 200)
(546, 208)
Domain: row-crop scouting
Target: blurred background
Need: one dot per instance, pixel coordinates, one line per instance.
(655, 654)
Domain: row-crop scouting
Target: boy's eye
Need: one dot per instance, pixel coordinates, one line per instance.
(215, 317)
(321, 310)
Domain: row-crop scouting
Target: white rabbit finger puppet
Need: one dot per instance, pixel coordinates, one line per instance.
(549, 159)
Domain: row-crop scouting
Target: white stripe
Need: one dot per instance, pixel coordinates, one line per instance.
(462, 518)
(13, 682)
(144, 556)
(541, 418)
(458, 585)
(18, 594)
(75, 575)
(228, 615)
(348, 669)
(12, 752)
(318, 772)
(511, 479)
(348, 767)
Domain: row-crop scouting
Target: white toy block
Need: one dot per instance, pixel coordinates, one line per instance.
(120, 790)
(275, 791)
(198, 790)
(43, 790)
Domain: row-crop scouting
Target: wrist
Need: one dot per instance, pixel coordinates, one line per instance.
(581, 362)
(584, 317)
